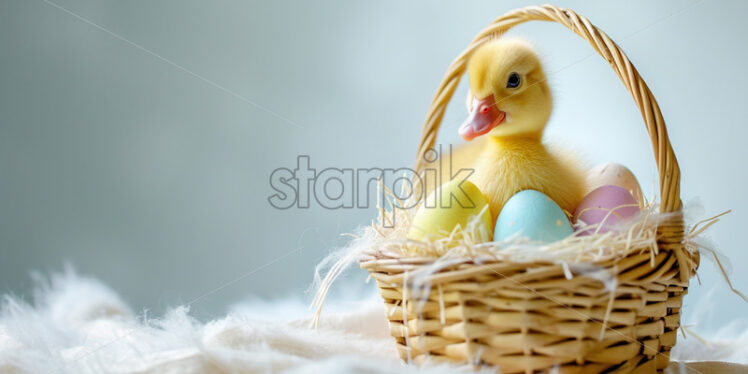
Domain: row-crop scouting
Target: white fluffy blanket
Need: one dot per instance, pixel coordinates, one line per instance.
(78, 325)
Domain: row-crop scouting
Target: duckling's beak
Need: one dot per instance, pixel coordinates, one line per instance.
(484, 116)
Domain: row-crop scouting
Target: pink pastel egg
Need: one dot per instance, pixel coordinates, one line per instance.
(606, 207)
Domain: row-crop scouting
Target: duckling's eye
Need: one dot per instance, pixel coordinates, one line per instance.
(513, 81)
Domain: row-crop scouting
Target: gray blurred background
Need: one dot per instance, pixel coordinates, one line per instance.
(130, 147)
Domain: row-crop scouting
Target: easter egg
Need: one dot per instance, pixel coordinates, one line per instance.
(616, 175)
(533, 215)
(606, 207)
(453, 203)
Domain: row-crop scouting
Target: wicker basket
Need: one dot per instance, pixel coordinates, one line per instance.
(529, 317)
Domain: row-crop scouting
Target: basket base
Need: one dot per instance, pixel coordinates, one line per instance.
(533, 319)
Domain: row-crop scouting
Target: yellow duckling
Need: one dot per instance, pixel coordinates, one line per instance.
(511, 104)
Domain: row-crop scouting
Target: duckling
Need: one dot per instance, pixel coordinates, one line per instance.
(511, 105)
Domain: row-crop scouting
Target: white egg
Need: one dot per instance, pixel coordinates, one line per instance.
(616, 175)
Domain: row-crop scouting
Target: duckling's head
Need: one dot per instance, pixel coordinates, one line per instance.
(510, 93)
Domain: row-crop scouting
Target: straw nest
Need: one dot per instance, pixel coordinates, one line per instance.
(585, 303)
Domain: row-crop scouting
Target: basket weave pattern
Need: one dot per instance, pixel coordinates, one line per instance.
(528, 317)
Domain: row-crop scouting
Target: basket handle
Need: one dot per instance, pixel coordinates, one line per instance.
(667, 165)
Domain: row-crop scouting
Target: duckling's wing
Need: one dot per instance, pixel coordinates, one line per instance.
(574, 169)
(462, 156)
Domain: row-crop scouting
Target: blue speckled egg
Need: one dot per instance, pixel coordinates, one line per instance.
(533, 215)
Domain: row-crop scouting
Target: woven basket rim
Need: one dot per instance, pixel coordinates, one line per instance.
(655, 262)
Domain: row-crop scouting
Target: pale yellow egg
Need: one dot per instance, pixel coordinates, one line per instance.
(616, 175)
(450, 205)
